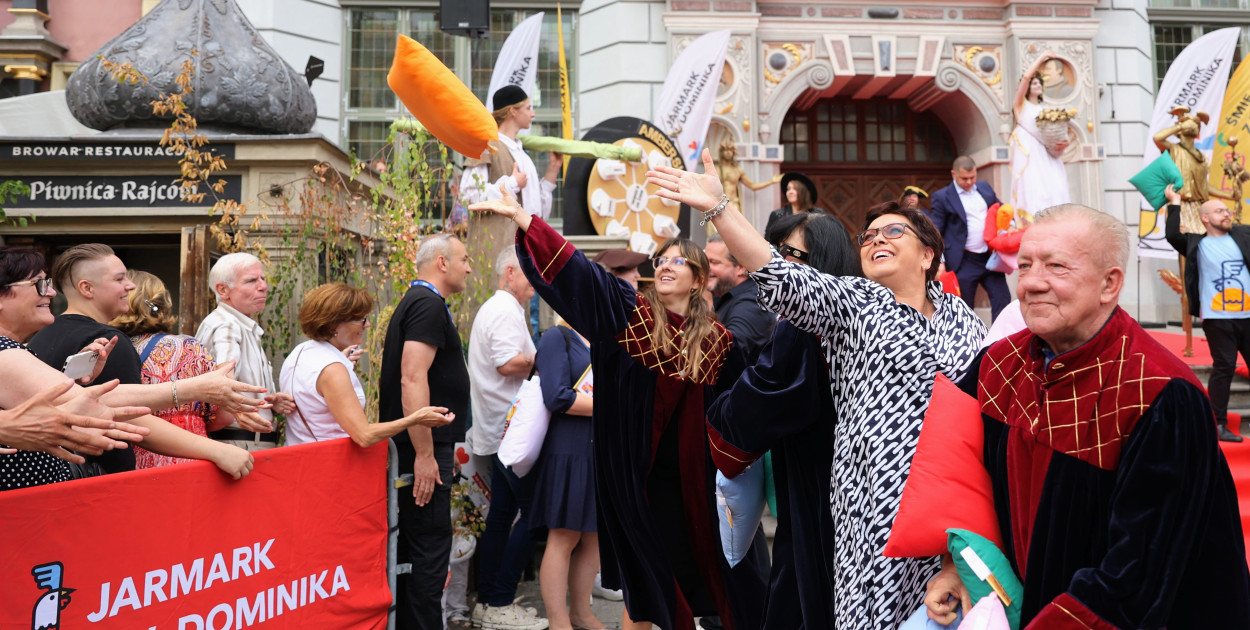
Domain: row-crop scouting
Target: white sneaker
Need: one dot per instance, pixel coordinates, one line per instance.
(599, 591)
(476, 617)
(512, 617)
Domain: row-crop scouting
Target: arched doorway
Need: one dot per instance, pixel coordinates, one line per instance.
(862, 152)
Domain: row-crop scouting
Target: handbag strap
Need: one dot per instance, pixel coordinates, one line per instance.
(295, 375)
(147, 350)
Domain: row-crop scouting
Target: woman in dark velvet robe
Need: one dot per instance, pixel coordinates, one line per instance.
(655, 371)
(784, 403)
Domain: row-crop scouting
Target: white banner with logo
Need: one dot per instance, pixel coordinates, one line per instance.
(518, 60)
(685, 108)
(1197, 79)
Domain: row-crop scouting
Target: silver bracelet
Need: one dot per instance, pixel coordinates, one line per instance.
(174, 386)
(715, 211)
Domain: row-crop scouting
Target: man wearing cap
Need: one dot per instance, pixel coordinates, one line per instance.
(509, 165)
(800, 194)
(622, 263)
(911, 197)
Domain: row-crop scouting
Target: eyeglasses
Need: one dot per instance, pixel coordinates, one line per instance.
(41, 285)
(680, 261)
(892, 231)
(795, 252)
(363, 321)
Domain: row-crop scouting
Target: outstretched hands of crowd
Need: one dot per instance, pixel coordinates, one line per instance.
(81, 423)
(699, 191)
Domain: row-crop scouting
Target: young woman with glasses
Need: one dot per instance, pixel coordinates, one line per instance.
(659, 356)
(889, 333)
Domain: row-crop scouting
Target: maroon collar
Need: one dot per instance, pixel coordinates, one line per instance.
(1088, 399)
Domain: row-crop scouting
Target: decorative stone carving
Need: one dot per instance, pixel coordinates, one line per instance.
(1069, 84)
(239, 80)
(986, 63)
(782, 58)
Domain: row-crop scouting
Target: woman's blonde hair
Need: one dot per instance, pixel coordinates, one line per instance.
(151, 307)
(699, 317)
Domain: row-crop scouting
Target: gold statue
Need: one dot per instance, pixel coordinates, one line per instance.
(1235, 173)
(1191, 162)
(731, 175)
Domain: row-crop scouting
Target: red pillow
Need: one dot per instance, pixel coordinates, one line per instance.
(948, 485)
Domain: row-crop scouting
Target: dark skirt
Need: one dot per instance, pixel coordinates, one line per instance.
(564, 477)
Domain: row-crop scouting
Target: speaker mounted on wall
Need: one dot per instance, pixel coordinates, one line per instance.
(466, 18)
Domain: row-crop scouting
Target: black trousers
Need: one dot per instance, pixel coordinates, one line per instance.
(1226, 337)
(972, 272)
(425, 541)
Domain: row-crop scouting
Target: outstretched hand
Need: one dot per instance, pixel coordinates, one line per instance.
(701, 192)
(507, 206)
(82, 424)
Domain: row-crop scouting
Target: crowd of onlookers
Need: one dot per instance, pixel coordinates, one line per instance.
(817, 346)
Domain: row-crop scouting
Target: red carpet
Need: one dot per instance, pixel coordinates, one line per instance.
(1238, 456)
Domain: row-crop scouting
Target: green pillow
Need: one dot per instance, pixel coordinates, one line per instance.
(1153, 179)
(1000, 567)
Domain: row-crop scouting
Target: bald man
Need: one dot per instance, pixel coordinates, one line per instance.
(1115, 502)
(1216, 281)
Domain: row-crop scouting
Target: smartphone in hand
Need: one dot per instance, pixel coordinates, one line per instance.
(80, 365)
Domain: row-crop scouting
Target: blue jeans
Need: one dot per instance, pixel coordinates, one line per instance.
(505, 548)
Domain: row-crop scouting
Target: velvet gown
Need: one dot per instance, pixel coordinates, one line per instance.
(654, 477)
(784, 403)
(1114, 499)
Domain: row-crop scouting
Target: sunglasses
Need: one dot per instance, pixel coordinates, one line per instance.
(892, 231)
(41, 285)
(680, 261)
(794, 252)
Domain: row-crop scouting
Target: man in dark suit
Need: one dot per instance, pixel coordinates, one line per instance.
(959, 212)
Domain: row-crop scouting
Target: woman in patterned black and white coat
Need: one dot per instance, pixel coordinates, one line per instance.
(890, 333)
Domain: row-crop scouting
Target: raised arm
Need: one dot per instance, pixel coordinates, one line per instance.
(705, 192)
(1023, 91)
(815, 302)
(1161, 138)
(593, 301)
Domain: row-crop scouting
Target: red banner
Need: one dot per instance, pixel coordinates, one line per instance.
(299, 543)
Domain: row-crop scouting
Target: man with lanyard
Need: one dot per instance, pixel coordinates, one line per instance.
(422, 365)
(509, 165)
(1217, 281)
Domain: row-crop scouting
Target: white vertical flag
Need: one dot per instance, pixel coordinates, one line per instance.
(1196, 79)
(518, 59)
(689, 93)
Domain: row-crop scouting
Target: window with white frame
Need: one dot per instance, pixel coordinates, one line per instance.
(371, 33)
(1177, 23)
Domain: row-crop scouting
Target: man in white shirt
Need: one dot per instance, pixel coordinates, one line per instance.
(959, 213)
(231, 334)
(510, 165)
(501, 355)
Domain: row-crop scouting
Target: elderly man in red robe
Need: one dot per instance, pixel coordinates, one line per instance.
(1115, 502)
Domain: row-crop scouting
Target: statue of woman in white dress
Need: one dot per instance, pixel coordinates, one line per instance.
(1038, 177)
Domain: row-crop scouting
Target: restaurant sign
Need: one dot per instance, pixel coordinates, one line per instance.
(94, 150)
(112, 191)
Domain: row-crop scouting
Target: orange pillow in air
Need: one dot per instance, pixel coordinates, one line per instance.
(948, 486)
(439, 100)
